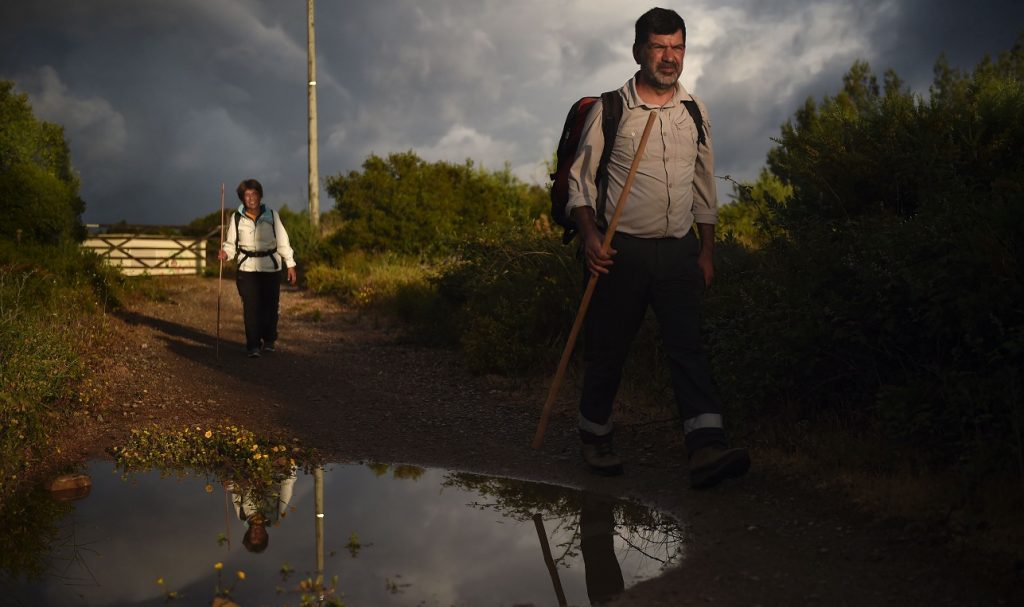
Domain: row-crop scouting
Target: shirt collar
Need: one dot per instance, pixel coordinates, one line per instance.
(263, 209)
(633, 100)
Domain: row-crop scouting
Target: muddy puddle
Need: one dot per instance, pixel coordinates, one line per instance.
(388, 535)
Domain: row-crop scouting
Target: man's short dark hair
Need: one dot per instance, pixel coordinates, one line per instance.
(249, 184)
(659, 21)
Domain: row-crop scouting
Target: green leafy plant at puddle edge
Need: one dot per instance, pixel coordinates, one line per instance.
(226, 452)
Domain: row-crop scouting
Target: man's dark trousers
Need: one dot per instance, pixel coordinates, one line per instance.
(661, 273)
(260, 293)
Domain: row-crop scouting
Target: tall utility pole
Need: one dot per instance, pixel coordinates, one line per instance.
(314, 159)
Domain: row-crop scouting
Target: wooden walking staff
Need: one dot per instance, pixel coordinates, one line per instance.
(577, 324)
(545, 548)
(220, 275)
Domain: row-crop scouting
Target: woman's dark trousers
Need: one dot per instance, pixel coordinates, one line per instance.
(260, 293)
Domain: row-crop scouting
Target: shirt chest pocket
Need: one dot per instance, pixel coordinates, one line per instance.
(683, 139)
(625, 147)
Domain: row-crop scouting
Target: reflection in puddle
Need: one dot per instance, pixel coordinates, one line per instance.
(392, 535)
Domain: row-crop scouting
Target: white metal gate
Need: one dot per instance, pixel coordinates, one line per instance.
(135, 252)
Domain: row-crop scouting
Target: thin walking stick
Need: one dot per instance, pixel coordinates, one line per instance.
(577, 324)
(545, 549)
(220, 275)
(227, 524)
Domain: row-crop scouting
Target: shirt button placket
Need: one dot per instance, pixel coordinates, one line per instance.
(665, 165)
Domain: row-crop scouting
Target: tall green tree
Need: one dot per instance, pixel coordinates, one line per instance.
(39, 190)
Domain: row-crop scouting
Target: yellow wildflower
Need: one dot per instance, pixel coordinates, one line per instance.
(218, 565)
(209, 434)
(160, 581)
(241, 575)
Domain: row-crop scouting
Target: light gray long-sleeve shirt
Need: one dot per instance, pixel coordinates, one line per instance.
(674, 184)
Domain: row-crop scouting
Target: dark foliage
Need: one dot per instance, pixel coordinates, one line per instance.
(889, 290)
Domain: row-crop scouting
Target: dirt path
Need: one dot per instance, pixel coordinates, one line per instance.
(358, 393)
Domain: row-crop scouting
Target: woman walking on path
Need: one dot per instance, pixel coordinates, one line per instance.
(257, 240)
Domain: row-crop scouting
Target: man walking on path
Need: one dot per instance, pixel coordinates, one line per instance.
(655, 258)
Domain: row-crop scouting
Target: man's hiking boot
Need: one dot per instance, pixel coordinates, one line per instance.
(712, 465)
(599, 455)
(254, 353)
(268, 346)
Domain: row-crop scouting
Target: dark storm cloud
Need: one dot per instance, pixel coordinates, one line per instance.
(768, 57)
(922, 30)
(165, 99)
(190, 86)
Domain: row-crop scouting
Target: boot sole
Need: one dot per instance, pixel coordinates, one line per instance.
(734, 465)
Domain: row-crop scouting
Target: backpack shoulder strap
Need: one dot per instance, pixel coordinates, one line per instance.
(698, 120)
(273, 225)
(611, 105)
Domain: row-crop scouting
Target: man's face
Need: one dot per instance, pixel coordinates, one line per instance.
(251, 198)
(661, 59)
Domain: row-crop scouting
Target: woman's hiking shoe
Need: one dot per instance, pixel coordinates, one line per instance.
(599, 455)
(712, 465)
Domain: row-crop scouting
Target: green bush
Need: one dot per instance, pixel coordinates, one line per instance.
(888, 291)
(52, 300)
(405, 205)
(36, 205)
(509, 303)
(385, 283)
(46, 322)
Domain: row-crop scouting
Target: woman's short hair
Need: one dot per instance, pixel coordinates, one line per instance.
(249, 184)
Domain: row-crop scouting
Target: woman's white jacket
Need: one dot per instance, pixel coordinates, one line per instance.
(266, 233)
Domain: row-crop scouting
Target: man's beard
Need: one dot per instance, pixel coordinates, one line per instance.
(661, 80)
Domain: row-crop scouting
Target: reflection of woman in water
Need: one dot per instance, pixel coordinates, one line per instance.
(258, 511)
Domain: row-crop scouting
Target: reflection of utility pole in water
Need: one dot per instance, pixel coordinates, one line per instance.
(538, 520)
(318, 504)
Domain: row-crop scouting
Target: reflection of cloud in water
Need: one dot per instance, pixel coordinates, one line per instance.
(437, 538)
(119, 527)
